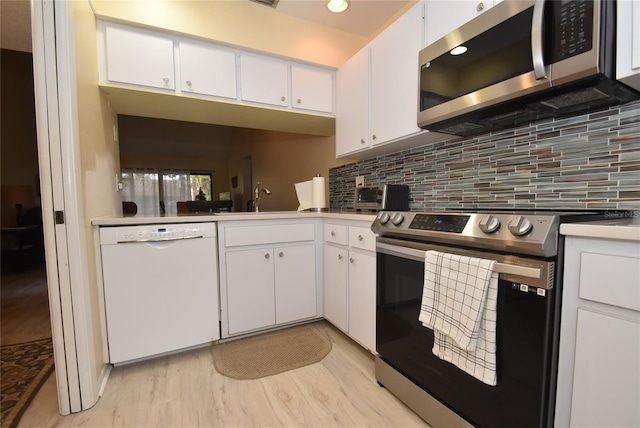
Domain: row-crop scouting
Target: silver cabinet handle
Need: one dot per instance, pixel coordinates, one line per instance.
(266, 256)
(480, 7)
(360, 238)
(282, 98)
(539, 68)
(188, 82)
(165, 80)
(339, 256)
(299, 101)
(281, 254)
(333, 233)
(374, 136)
(351, 260)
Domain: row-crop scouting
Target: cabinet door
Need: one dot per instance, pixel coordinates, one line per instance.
(442, 17)
(264, 80)
(362, 298)
(606, 388)
(250, 289)
(335, 286)
(394, 78)
(312, 89)
(627, 49)
(139, 57)
(295, 277)
(352, 104)
(207, 69)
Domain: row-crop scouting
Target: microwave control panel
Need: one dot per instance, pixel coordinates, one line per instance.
(572, 27)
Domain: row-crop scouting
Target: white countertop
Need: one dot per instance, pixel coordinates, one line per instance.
(201, 218)
(622, 229)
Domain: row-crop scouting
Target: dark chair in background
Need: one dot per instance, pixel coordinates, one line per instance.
(208, 206)
(129, 208)
(181, 206)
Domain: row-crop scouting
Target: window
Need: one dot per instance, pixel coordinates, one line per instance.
(157, 190)
(200, 181)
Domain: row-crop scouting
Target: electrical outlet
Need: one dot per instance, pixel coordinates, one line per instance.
(360, 181)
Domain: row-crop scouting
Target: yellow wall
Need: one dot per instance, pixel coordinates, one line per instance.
(99, 152)
(241, 24)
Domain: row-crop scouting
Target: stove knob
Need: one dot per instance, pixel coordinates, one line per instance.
(519, 226)
(383, 217)
(489, 223)
(397, 219)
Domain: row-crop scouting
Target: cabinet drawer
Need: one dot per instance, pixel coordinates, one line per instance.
(610, 279)
(273, 234)
(362, 237)
(335, 233)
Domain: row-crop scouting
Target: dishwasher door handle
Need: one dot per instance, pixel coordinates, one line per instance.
(150, 240)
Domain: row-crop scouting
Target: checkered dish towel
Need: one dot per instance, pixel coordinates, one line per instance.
(459, 304)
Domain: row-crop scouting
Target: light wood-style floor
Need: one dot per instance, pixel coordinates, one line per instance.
(184, 390)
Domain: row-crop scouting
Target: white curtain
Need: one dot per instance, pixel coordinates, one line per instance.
(147, 188)
(175, 187)
(141, 187)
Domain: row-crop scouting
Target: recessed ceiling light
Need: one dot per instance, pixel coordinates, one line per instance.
(458, 50)
(337, 6)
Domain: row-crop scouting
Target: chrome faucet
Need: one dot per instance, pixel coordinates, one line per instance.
(258, 192)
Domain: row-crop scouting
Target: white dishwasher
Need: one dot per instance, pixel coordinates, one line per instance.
(160, 288)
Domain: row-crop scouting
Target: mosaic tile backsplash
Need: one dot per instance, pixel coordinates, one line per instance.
(590, 161)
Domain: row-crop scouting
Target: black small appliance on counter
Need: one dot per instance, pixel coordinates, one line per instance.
(391, 197)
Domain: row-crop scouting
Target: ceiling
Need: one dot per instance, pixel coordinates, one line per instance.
(363, 17)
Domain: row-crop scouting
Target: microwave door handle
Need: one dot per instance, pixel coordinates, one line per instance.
(539, 68)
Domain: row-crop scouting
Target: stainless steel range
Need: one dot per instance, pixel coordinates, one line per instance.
(526, 251)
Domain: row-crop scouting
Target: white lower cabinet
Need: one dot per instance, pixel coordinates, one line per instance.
(335, 285)
(362, 298)
(250, 289)
(269, 274)
(295, 282)
(599, 360)
(350, 280)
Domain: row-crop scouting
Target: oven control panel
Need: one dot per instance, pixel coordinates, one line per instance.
(527, 233)
(440, 222)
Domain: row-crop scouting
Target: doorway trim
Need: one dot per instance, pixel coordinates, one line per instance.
(62, 203)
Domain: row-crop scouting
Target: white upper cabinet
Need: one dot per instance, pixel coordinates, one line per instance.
(628, 40)
(394, 78)
(139, 57)
(352, 104)
(444, 16)
(377, 89)
(264, 80)
(136, 60)
(311, 89)
(207, 69)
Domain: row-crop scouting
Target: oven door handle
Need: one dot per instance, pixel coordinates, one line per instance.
(419, 255)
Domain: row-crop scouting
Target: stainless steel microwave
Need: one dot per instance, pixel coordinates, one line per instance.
(391, 197)
(525, 60)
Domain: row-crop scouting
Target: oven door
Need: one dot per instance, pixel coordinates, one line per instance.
(523, 396)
